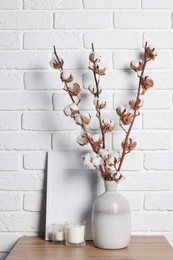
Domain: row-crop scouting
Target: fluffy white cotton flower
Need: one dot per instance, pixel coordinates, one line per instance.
(71, 110)
(113, 170)
(99, 102)
(91, 161)
(90, 166)
(67, 111)
(96, 161)
(86, 156)
(66, 76)
(56, 63)
(82, 139)
(104, 153)
(78, 120)
(100, 65)
(110, 161)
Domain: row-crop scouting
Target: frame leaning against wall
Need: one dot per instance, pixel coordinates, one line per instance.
(71, 190)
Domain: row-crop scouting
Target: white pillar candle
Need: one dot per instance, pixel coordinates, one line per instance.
(58, 232)
(75, 234)
(58, 235)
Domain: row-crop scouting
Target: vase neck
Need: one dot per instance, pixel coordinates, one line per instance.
(110, 186)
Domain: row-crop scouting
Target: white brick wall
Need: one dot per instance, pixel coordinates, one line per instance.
(32, 99)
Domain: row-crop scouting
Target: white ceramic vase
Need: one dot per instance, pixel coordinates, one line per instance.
(111, 219)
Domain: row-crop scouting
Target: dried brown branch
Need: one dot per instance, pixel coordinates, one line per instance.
(98, 111)
(71, 96)
(135, 114)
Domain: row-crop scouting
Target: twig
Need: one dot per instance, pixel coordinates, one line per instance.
(71, 96)
(135, 109)
(98, 111)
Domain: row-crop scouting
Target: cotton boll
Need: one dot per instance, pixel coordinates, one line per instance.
(65, 74)
(90, 166)
(78, 120)
(104, 153)
(96, 162)
(67, 111)
(86, 156)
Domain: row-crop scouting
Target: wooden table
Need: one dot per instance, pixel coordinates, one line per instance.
(140, 248)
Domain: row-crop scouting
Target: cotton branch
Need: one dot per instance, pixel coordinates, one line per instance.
(73, 100)
(97, 95)
(135, 114)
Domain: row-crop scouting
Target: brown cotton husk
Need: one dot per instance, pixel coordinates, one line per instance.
(136, 68)
(129, 145)
(58, 65)
(150, 53)
(68, 80)
(135, 104)
(99, 71)
(146, 83)
(75, 90)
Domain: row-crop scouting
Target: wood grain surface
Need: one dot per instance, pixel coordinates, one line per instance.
(140, 248)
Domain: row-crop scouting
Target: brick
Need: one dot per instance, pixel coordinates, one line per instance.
(45, 40)
(146, 180)
(152, 99)
(157, 4)
(158, 161)
(19, 222)
(68, 141)
(48, 121)
(9, 161)
(34, 202)
(25, 141)
(157, 120)
(161, 39)
(36, 161)
(10, 201)
(135, 200)
(22, 181)
(80, 59)
(108, 40)
(60, 100)
(9, 81)
(81, 20)
(151, 222)
(162, 79)
(25, 20)
(8, 4)
(145, 140)
(138, 20)
(113, 80)
(133, 162)
(10, 121)
(121, 60)
(161, 201)
(23, 101)
(47, 80)
(52, 4)
(111, 4)
(24, 60)
(8, 240)
(10, 41)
